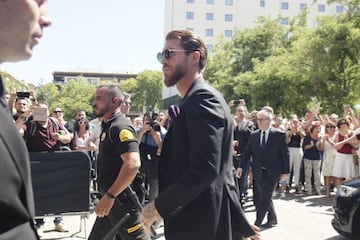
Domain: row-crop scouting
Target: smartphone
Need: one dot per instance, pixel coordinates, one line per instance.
(40, 114)
(23, 94)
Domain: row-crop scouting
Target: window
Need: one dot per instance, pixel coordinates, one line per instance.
(209, 32)
(228, 33)
(228, 17)
(209, 47)
(209, 16)
(229, 2)
(284, 21)
(189, 1)
(321, 8)
(210, 2)
(190, 29)
(339, 9)
(284, 5)
(190, 15)
(262, 3)
(303, 6)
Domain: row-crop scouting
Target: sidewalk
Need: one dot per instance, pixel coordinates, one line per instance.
(300, 217)
(79, 228)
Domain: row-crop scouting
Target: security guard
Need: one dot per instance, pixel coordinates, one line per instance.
(117, 165)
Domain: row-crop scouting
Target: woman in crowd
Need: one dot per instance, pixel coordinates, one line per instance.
(81, 134)
(329, 152)
(311, 146)
(344, 167)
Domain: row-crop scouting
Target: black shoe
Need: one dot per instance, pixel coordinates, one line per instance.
(269, 224)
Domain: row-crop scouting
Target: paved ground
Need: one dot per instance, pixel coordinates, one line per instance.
(300, 218)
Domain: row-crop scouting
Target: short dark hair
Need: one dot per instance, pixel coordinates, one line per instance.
(192, 42)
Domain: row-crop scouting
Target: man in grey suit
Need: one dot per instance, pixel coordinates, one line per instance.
(21, 24)
(197, 198)
(270, 163)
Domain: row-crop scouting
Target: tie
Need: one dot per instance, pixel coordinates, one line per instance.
(263, 139)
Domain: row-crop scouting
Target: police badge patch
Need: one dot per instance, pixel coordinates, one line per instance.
(125, 135)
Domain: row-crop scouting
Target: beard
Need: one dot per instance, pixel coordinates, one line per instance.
(101, 112)
(179, 72)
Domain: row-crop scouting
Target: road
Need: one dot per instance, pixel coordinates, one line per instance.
(300, 217)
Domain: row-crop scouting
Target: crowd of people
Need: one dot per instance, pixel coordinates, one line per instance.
(188, 157)
(323, 149)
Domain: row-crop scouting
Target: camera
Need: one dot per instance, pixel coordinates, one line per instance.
(153, 123)
(23, 94)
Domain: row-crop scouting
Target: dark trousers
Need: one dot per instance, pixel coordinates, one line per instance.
(149, 166)
(130, 230)
(263, 189)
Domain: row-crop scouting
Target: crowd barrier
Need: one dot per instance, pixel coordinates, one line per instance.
(61, 182)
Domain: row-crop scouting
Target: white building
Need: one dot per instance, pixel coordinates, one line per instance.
(210, 18)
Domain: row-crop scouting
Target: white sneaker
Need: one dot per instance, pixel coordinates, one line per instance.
(60, 227)
(282, 195)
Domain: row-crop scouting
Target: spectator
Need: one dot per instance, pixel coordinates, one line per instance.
(22, 104)
(81, 134)
(58, 114)
(150, 138)
(311, 147)
(294, 137)
(44, 136)
(329, 151)
(94, 139)
(79, 114)
(21, 28)
(126, 104)
(344, 167)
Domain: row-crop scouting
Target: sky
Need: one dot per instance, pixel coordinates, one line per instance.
(115, 36)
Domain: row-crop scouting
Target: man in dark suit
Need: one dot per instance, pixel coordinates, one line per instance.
(270, 163)
(197, 198)
(21, 24)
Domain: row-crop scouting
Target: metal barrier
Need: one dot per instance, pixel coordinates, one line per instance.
(61, 182)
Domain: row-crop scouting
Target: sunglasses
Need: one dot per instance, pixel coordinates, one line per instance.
(168, 53)
(329, 126)
(57, 111)
(127, 103)
(82, 122)
(342, 123)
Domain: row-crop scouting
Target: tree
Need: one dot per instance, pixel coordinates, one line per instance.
(148, 91)
(71, 96)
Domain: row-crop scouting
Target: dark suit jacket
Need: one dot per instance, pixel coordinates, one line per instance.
(197, 193)
(16, 196)
(274, 157)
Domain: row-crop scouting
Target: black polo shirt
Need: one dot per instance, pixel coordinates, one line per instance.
(118, 136)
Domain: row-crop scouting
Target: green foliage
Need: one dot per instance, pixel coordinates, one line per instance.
(287, 68)
(72, 96)
(147, 93)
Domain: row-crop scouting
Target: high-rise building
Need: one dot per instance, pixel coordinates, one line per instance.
(210, 18)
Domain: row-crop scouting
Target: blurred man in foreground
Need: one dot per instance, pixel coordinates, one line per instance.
(21, 26)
